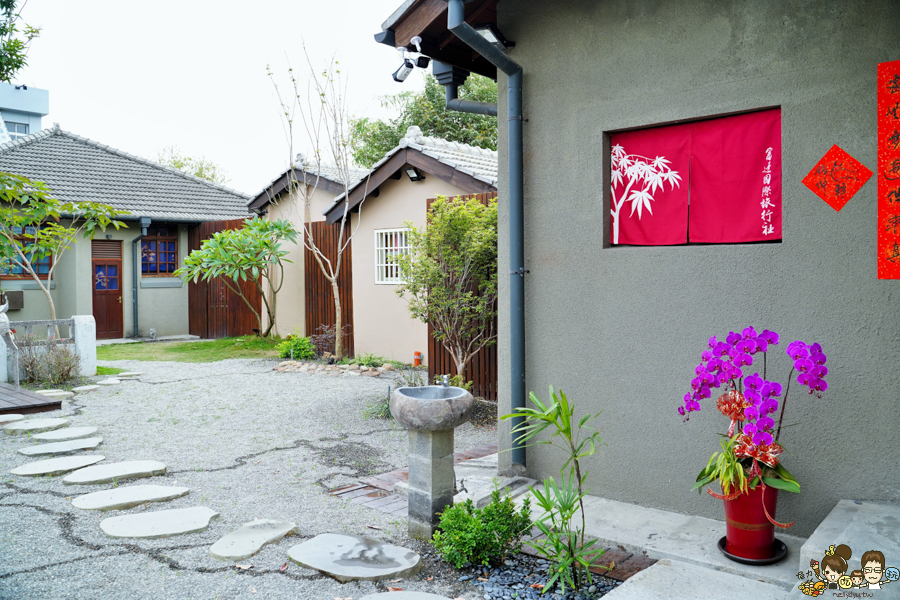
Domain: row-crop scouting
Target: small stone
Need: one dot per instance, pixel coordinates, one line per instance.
(127, 497)
(83, 389)
(163, 523)
(352, 557)
(592, 589)
(66, 433)
(353, 367)
(55, 466)
(62, 447)
(388, 367)
(34, 426)
(10, 418)
(371, 373)
(249, 539)
(132, 469)
(112, 381)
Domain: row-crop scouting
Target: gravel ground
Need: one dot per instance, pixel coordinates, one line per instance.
(249, 442)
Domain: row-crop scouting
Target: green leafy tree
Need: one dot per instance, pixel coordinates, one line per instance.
(172, 157)
(253, 253)
(13, 46)
(428, 110)
(34, 226)
(450, 276)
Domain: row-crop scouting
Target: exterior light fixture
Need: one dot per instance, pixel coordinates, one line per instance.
(493, 36)
(413, 174)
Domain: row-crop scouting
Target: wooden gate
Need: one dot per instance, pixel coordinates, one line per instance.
(214, 311)
(482, 369)
(319, 294)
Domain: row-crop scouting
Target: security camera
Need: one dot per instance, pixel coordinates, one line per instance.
(403, 72)
(423, 61)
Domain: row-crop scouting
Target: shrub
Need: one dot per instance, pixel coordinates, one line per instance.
(52, 362)
(482, 535)
(379, 409)
(303, 348)
(368, 360)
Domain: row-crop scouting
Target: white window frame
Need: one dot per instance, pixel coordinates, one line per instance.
(388, 243)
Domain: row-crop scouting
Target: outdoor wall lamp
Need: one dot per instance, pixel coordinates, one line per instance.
(493, 36)
(413, 174)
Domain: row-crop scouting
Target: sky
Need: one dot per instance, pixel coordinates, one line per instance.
(142, 76)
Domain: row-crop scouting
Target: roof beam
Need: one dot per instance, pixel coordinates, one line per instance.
(418, 20)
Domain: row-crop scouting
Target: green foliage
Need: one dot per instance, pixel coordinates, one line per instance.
(250, 346)
(372, 139)
(253, 253)
(366, 360)
(109, 370)
(484, 535)
(731, 471)
(34, 225)
(450, 276)
(13, 49)
(172, 157)
(379, 409)
(564, 545)
(297, 346)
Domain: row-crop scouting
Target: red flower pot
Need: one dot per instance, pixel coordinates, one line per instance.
(749, 534)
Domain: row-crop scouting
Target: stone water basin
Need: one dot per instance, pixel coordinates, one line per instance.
(431, 407)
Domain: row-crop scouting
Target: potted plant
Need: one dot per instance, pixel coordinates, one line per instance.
(748, 467)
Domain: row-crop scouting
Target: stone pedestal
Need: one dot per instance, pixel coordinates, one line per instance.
(431, 479)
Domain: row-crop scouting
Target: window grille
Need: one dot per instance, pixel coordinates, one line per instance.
(390, 244)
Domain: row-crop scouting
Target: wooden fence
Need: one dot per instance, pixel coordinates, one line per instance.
(214, 311)
(482, 369)
(319, 294)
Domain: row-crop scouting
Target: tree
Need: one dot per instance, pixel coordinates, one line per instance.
(450, 276)
(32, 229)
(172, 157)
(14, 49)
(428, 110)
(321, 110)
(251, 253)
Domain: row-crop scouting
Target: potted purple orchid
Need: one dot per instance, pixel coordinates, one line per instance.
(749, 461)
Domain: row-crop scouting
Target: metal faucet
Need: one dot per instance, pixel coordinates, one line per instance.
(445, 380)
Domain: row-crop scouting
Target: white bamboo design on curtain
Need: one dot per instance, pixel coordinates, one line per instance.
(640, 177)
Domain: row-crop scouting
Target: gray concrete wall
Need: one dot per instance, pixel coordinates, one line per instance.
(621, 329)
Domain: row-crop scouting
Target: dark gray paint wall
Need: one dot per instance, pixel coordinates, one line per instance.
(620, 329)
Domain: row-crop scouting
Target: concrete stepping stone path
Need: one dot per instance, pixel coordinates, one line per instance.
(129, 375)
(34, 426)
(62, 447)
(44, 392)
(4, 419)
(67, 433)
(249, 538)
(163, 523)
(82, 389)
(128, 497)
(112, 381)
(57, 394)
(132, 469)
(352, 557)
(55, 466)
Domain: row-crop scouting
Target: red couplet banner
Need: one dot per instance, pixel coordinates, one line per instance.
(889, 170)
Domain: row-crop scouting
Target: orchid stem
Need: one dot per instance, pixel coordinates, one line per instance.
(764, 366)
(783, 404)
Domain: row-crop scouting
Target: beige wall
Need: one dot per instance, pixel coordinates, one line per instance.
(290, 308)
(381, 321)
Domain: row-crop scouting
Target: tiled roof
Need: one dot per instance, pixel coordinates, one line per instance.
(312, 173)
(479, 163)
(77, 169)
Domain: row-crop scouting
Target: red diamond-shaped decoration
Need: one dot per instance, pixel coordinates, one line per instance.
(837, 177)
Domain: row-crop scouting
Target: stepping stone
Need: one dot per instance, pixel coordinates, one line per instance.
(10, 418)
(62, 447)
(128, 497)
(82, 389)
(163, 523)
(404, 596)
(352, 557)
(249, 539)
(57, 394)
(34, 426)
(132, 469)
(43, 392)
(129, 374)
(109, 382)
(67, 433)
(55, 466)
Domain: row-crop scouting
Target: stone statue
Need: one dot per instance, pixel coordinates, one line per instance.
(4, 320)
(5, 334)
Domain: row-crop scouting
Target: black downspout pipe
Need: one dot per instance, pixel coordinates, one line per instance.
(143, 223)
(467, 106)
(456, 23)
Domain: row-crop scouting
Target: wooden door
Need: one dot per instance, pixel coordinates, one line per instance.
(106, 283)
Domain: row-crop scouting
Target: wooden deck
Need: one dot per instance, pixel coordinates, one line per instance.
(25, 401)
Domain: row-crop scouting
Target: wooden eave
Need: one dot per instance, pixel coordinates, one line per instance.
(394, 165)
(428, 19)
(282, 183)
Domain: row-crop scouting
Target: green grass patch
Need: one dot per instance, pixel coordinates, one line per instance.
(108, 370)
(249, 346)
